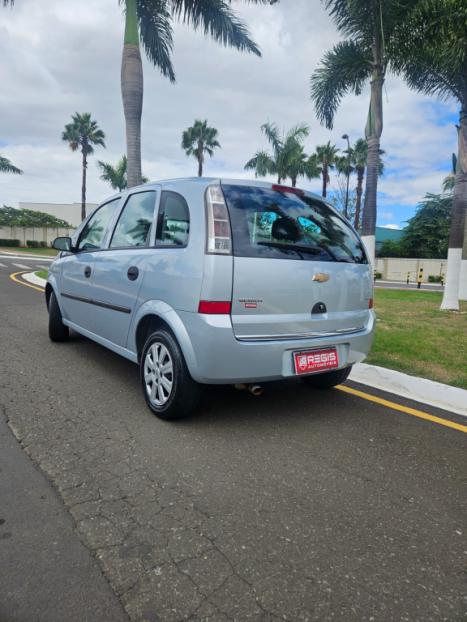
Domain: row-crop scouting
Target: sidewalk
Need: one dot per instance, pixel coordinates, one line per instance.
(48, 575)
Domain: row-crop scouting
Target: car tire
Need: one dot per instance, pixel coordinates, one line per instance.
(169, 390)
(328, 379)
(57, 329)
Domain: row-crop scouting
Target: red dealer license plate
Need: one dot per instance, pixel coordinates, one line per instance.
(315, 360)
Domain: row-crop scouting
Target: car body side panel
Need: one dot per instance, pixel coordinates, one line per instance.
(166, 313)
(110, 285)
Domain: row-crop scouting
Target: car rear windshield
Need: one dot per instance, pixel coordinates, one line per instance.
(283, 225)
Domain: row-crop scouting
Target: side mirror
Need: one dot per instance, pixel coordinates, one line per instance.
(62, 244)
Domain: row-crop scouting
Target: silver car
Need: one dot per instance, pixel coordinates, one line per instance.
(216, 281)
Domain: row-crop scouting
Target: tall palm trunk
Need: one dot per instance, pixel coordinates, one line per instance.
(463, 272)
(132, 93)
(373, 131)
(294, 181)
(200, 159)
(83, 184)
(453, 285)
(325, 179)
(358, 202)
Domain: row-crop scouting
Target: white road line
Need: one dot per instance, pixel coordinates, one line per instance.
(22, 266)
(3, 265)
(43, 267)
(24, 258)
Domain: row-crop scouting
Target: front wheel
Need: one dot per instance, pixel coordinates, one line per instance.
(169, 390)
(328, 379)
(57, 329)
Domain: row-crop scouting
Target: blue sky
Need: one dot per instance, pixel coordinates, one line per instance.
(59, 57)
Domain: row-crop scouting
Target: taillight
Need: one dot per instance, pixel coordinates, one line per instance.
(219, 235)
(214, 307)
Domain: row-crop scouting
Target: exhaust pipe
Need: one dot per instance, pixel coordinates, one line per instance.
(254, 389)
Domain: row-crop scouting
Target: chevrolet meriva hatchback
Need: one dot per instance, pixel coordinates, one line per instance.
(208, 281)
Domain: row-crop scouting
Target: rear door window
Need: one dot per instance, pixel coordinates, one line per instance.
(283, 225)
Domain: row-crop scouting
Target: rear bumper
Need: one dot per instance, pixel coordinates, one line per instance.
(220, 358)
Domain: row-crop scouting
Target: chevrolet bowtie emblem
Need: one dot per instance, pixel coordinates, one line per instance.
(321, 277)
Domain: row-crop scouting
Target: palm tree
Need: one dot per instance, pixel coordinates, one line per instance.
(326, 158)
(198, 140)
(359, 158)
(288, 159)
(344, 166)
(363, 57)
(431, 53)
(83, 133)
(116, 175)
(150, 22)
(450, 180)
(7, 167)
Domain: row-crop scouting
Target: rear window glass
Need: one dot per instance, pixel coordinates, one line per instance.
(280, 225)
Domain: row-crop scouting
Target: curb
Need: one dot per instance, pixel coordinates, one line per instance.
(30, 277)
(418, 389)
(21, 255)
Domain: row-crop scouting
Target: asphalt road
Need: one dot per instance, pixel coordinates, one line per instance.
(298, 505)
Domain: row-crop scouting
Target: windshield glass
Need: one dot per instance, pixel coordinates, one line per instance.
(282, 225)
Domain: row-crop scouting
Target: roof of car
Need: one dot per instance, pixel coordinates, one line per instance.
(206, 181)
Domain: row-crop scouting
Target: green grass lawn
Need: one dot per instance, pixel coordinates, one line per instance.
(34, 251)
(42, 273)
(415, 337)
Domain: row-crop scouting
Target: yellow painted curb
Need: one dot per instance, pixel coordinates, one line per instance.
(14, 277)
(404, 409)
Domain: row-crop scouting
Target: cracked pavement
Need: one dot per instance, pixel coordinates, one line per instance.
(298, 505)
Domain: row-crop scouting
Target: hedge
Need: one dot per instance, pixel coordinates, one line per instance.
(4, 242)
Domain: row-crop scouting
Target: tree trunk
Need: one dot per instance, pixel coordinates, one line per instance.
(373, 131)
(200, 159)
(463, 272)
(325, 179)
(459, 209)
(346, 207)
(294, 181)
(132, 94)
(358, 202)
(83, 186)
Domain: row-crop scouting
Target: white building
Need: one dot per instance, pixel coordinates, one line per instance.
(71, 212)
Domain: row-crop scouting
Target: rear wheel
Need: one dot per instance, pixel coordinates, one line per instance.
(57, 329)
(169, 390)
(328, 379)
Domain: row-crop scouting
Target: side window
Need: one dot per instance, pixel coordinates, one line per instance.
(92, 235)
(135, 221)
(173, 224)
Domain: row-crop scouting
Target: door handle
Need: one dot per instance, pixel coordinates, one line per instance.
(132, 273)
(87, 271)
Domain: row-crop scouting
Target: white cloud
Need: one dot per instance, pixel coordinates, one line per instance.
(396, 227)
(58, 58)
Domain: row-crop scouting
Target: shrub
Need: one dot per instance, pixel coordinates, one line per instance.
(4, 242)
(33, 243)
(43, 244)
(435, 278)
(378, 275)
